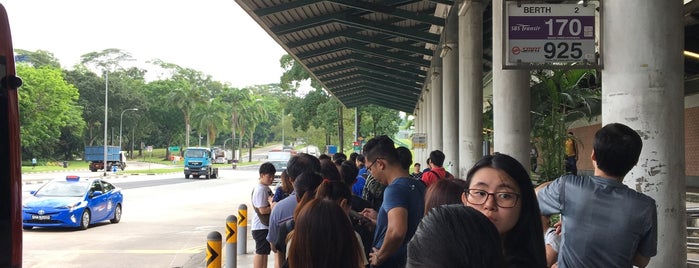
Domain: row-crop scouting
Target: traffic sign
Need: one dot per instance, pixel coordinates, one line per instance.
(419, 140)
(549, 35)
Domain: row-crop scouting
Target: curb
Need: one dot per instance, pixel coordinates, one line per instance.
(109, 176)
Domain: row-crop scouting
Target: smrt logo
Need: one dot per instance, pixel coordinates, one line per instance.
(517, 50)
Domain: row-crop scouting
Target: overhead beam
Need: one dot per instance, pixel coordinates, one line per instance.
(283, 7)
(380, 100)
(368, 82)
(444, 2)
(369, 73)
(392, 11)
(390, 44)
(336, 71)
(367, 60)
(360, 48)
(373, 90)
(384, 53)
(304, 24)
(361, 23)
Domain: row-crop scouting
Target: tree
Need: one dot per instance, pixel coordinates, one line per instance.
(294, 74)
(560, 97)
(380, 120)
(49, 112)
(234, 99)
(164, 117)
(124, 88)
(91, 90)
(38, 58)
(190, 90)
(211, 119)
(254, 113)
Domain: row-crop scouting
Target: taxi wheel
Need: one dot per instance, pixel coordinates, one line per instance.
(85, 220)
(117, 214)
(27, 227)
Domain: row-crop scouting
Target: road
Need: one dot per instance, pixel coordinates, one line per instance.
(165, 221)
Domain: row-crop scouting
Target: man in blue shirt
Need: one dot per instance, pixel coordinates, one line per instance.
(402, 208)
(605, 223)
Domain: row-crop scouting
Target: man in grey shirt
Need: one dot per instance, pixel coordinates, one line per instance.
(605, 223)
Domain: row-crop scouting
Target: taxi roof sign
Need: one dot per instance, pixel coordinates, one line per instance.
(72, 178)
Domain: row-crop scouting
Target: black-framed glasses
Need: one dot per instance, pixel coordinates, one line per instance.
(502, 199)
(372, 164)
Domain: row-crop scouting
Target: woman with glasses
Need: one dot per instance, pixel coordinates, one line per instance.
(500, 188)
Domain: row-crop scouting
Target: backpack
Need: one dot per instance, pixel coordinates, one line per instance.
(447, 175)
(373, 192)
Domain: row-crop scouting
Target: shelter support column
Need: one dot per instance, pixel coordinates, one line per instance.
(470, 83)
(511, 100)
(643, 87)
(423, 126)
(428, 118)
(450, 93)
(419, 121)
(436, 105)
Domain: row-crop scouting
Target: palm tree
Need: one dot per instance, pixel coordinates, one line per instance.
(211, 118)
(254, 114)
(233, 99)
(559, 98)
(186, 98)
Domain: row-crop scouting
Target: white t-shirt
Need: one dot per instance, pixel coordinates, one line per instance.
(259, 200)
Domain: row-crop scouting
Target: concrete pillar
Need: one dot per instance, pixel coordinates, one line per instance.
(511, 100)
(418, 128)
(423, 124)
(427, 114)
(426, 125)
(450, 93)
(643, 87)
(470, 83)
(436, 104)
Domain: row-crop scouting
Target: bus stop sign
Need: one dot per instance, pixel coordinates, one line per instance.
(549, 35)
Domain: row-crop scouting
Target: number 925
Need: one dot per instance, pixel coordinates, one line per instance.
(563, 50)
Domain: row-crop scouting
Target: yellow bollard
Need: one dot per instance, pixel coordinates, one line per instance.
(231, 240)
(213, 250)
(243, 229)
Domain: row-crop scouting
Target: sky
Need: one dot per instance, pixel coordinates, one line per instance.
(215, 37)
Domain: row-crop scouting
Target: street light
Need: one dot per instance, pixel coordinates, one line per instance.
(121, 123)
(224, 143)
(106, 103)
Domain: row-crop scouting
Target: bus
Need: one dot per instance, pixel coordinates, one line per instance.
(10, 153)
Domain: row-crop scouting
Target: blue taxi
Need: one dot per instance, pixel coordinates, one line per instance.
(72, 202)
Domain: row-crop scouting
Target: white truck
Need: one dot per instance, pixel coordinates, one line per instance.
(223, 156)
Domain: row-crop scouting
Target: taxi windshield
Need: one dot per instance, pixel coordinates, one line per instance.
(63, 188)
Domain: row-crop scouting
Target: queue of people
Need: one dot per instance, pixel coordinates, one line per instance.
(491, 218)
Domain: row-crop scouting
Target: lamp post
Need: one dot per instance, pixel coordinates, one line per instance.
(121, 123)
(106, 102)
(224, 143)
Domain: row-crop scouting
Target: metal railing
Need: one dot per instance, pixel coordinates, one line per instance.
(692, 235)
